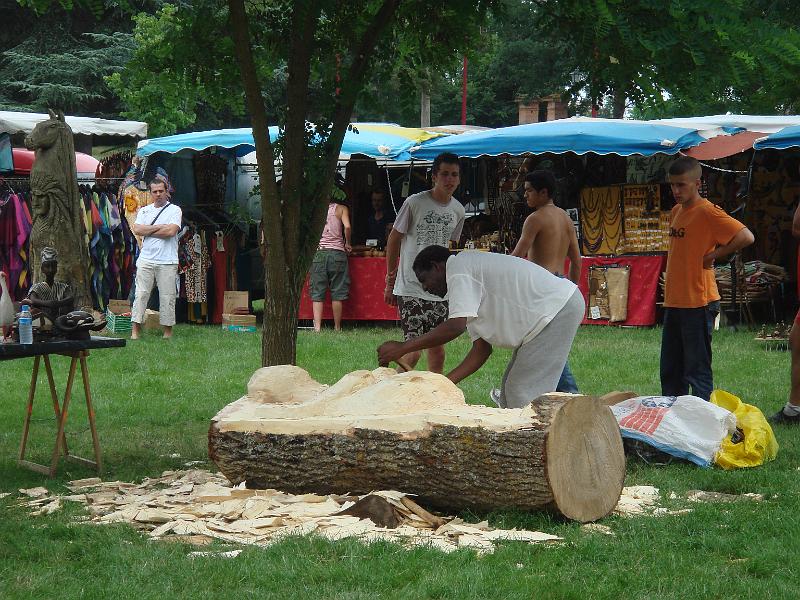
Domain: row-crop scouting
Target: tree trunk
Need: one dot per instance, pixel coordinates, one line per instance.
(619, 103)
(414, 432)
(279, 336)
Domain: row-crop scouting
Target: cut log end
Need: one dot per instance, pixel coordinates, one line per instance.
(585, 459)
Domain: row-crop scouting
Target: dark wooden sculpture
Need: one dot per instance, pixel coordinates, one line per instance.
(58, 213)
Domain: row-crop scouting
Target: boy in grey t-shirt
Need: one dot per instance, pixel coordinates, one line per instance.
(432, 217)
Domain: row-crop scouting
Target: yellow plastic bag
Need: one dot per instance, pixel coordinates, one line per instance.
(753, 444)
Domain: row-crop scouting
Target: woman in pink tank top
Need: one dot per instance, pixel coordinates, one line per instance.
(329, 269)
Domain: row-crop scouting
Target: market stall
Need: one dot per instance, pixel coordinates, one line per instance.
(606, 168)
(110, 243)
(215, 174)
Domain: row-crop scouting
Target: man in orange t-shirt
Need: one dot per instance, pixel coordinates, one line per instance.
(700, 232)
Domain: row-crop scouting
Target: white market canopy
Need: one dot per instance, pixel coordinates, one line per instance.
(714, 125)
(21, 122)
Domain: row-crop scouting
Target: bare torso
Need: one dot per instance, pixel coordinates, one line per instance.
(551, 245)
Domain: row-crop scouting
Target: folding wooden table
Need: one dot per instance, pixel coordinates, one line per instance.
(77, 350)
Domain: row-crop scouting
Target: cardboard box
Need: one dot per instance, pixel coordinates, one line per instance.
(238, 319)
(115, 322)
(240, 328)
(233, 300)
(151, 319)
(118, 307)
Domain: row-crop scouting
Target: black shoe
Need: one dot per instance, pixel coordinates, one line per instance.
(781, 418)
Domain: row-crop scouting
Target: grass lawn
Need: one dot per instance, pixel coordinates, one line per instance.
(154, 400)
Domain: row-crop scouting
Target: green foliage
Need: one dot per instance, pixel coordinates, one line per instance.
(508, 60)
(59, 58)
(682, 57)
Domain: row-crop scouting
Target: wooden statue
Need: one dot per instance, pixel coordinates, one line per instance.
(58, 212)
(413, 432)
(49, 299)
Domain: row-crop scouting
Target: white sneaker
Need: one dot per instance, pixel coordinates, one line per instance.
(494, 394)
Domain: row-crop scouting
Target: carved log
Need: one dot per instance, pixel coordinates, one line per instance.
(414, 432)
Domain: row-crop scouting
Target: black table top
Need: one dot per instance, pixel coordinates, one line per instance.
(10, 351)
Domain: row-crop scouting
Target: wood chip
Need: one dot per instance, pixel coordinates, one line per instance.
(198, 505)
(228, 554)
(702, 496)
(597, 528)
(148, 515)
(519, 535)
(36, 492)
(77, 484)
(49, 508)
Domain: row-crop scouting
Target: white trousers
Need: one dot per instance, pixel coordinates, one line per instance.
(163, 276)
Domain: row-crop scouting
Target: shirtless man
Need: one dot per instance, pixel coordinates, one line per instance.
(548, 238)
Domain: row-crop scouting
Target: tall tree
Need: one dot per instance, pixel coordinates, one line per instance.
(231, 54)
(734, 53)
(60, 57)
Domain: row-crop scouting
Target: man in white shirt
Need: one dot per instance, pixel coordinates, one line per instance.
(158, 223)
(430, 217)
(500, 301)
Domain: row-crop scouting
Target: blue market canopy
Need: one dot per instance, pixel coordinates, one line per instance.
(788, 137)
(239, 139)
(580, 135)
(378, 140)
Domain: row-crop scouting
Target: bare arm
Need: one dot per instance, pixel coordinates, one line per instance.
(392, 260)
(438, 336)
(345, 217)
(741, 240)
(526, 239)
(164, 231)
(574, 254)
(479, 353)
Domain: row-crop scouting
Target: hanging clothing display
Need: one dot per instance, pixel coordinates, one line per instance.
(15, 229)
(112, 246)
(601, 221)
(210, 172)
(196, 274)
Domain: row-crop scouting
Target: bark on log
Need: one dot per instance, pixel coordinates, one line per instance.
(414, 432)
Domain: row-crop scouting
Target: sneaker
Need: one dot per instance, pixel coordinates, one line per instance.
(781, 418)
(494, 394)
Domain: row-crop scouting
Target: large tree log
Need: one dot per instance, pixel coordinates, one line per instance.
(414, 432)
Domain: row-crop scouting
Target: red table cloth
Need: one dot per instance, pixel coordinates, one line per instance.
(365, 303)
(367, 280)
(642, 286)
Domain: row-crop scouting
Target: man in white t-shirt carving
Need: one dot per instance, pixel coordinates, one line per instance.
(500, 301)
(158, 223)
(432, 217)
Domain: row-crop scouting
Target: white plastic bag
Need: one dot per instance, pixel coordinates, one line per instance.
(683, 426)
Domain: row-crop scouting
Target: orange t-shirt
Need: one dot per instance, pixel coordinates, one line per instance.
(694, 232)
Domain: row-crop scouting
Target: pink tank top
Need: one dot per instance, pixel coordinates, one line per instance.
(333, 234)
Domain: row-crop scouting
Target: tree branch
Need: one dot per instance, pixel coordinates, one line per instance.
(346, 101)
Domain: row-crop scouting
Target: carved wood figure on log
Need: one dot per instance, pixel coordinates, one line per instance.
(414, 432)
(58, 213)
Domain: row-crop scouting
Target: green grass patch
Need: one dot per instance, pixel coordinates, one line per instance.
(154, 400)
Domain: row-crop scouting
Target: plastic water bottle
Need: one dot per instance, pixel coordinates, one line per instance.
(25, 325)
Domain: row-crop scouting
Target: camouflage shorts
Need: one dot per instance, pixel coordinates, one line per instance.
(418, 316)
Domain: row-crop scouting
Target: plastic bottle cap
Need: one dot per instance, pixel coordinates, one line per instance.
(25, 307)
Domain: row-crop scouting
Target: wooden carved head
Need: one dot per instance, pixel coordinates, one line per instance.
(47, 133)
